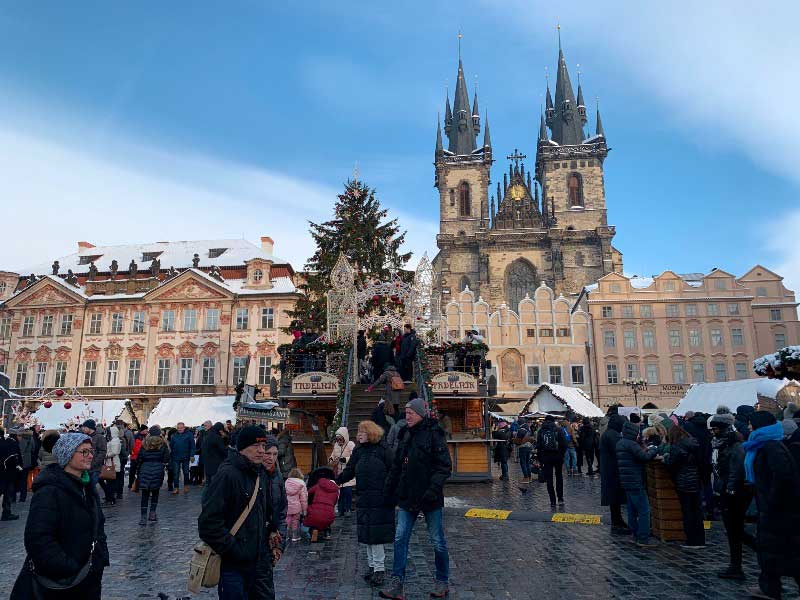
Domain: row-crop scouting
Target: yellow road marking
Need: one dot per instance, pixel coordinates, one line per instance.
(575, 518)
(706, 524)
(487, 513)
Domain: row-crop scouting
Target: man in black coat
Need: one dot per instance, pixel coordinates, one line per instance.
(246, 570)
(586, 440)
(214, 451)
(416, 483)
(697, 427)
(551, 444)
(9, 467)
(631, 458)
(408, 350)
(612, 494)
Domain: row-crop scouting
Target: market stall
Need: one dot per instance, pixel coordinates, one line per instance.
(193, 411)
(71, 413)
(706, 397)
(562, 400)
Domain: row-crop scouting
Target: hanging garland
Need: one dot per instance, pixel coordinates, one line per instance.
(457, 347)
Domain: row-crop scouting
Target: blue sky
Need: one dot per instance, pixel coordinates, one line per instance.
(133, 122)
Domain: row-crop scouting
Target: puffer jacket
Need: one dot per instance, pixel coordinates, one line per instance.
(296, 496)
(340, 452)
(682, 460)
(611, 490)
(631, 458)
(181, 445)
(322, 499)
(113, 449)
(729, 465)
(152, 461)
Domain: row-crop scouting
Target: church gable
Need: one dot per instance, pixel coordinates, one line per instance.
(44, 293)
(188, 286)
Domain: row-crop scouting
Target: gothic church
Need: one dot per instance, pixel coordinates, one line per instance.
(548, 226)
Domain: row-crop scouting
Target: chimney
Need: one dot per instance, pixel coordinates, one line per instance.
(267, 244)
(84, 246)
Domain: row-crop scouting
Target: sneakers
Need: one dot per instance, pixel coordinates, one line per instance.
(394, 591)
(691, 547)
(646, 544)
(440, 589)
(561, 502)
(175, 492)
(732, 572)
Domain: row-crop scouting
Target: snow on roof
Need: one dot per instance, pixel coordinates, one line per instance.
(706, 397)
(171, 254)
(574, 399)
(192, 411)
(639, 282)
(58, 416)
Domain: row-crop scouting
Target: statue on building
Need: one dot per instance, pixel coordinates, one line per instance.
(71, 279)
(56, 267)
(133, 268)
(216, 273)
(114, 268)
(92, 271)
(155, 267)
(171, 273)
(196, 261)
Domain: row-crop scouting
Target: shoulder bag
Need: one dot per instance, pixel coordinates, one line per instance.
(205, 564)
(108, 472)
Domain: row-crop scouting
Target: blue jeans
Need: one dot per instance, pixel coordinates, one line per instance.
(525, 461)
(571, 459)
(405, 525)
(504, 469)
(237, 585)
(638, 514)
(177, 467)
(345, 503)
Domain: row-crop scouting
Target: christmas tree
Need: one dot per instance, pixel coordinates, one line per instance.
(361, 231)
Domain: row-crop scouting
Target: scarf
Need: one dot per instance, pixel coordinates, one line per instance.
(757, 439)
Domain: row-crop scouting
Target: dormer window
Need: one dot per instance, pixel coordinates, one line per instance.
(150, 256)
(85, 260)
(258, 275)
(216, 252)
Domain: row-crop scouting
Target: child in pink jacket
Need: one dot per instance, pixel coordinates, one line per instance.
(297, 499)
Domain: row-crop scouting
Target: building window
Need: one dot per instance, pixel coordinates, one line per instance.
(580, 260)
(242, 318)
(737, 336)
(116, 323)
(632, 370)
(546, 332)
(716, 338)
(164, 371)
(531, 333)
(138, 322)
(534, 376)
(780, 340)
(562, 332)
(609, 339)
(691, 310)
(741, 370)
(190, 319)
(698, 372)
(22, 375)
(463, 199)
(576, 373)
(212, 319)
(651, 373)
(113, 371)
(612, 376)
(66, 325)
(209, 370)
(761, 292)
(185, 375)
(168, 320)
(713, 308)
(96, 324)
(61, 374)
(521, 279)
(672, 310)
(719, 284)
(555, 373)
(629, 338)
(27, 326)
(646, 311)
(5, 328)
(720, 372)
(733, 308)
(649, 338)
(264, 367)
(267, 318)
(616, 288)
(40, 375)
(669, 286)
(774, 315)
(674, 338)
(695, 338)
(678, 373)
(47, 325)
(134, 371)
(627, 311)
(608, 312)
(239, 368)
(574, 185)
(258, 275)
(90, 373)
(452, 197)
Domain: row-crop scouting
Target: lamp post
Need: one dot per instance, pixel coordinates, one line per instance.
(636, 385)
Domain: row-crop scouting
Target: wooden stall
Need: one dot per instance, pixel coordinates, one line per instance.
(666, 517)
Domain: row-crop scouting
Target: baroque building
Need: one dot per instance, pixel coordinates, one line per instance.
(548, 226)
(146, 321)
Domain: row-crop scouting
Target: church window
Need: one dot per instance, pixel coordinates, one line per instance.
(575, 187)
(579, 259)
(452, 197)
(531, 333)
(464, 284)
(463, 199)
(573, 164)
(521, 279)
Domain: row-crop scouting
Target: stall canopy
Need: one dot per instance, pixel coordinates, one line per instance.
(102, 411)
(553, 398)
(706, 397)
(192, 411)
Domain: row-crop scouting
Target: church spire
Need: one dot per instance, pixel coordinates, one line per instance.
(581, 105)
(487, 139)
(439, 147)
(565, 123)
(463, 128)
(599, 124)
(476, 115)
(542, 130)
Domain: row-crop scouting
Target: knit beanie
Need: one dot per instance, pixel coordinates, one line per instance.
(155, 431)
(418, 406)
(90, 424)
(250, 435)
(64, 449)
(723, 418)
(762, 418)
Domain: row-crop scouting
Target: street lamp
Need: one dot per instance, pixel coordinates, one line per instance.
(636, 385)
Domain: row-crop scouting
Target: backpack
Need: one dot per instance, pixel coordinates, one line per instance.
(550, 439)
(397, 383)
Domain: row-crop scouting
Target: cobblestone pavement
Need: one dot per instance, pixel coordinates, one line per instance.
(488, 559)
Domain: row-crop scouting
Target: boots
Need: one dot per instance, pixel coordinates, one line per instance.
(186, 489)
(152, 516)
(732, 572)
(9, 517)
(315, 536)
(143, 520)
(368, 575)
(394, 591)
(377, 578)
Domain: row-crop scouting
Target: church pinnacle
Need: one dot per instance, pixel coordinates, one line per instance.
(463, 124)
(564, 116)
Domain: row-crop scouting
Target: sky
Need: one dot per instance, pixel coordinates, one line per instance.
(135, 122)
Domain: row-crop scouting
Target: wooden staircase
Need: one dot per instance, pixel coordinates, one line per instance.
(363, 402)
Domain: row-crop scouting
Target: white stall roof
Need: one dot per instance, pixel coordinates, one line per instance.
(706, 397)
(192, 411)
(104, 412)
(550, 397)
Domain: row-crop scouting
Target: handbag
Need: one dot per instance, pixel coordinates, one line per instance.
(205, 564)
(108, 472)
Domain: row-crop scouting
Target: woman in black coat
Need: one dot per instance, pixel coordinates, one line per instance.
(683, 459)
(612, 494)
(64, 534)
(150, 466)
(586, 444)
(370, 464)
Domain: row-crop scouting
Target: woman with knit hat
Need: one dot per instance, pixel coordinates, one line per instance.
(150, 466)
(64, 534)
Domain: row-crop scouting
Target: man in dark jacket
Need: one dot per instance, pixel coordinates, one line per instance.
(126, 447)
(276, 489)
(502, 448)
(214, 451)
(181, 445)
(683, 459)
(551, 444)
(416, 483)
(9, 467)
(612, 494)
(99, 446)
(381, 353)
(631, 458)
(246, 570)
(27, 461)
(586, 444)
(697, 427)
(408, 350)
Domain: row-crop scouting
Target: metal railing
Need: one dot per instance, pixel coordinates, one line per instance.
(126, 390)
(347, 387)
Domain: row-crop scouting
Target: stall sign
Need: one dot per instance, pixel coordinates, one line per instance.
(452, 382)
(473, 414)
(277, 414)
(315, 381)
(674, 389)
